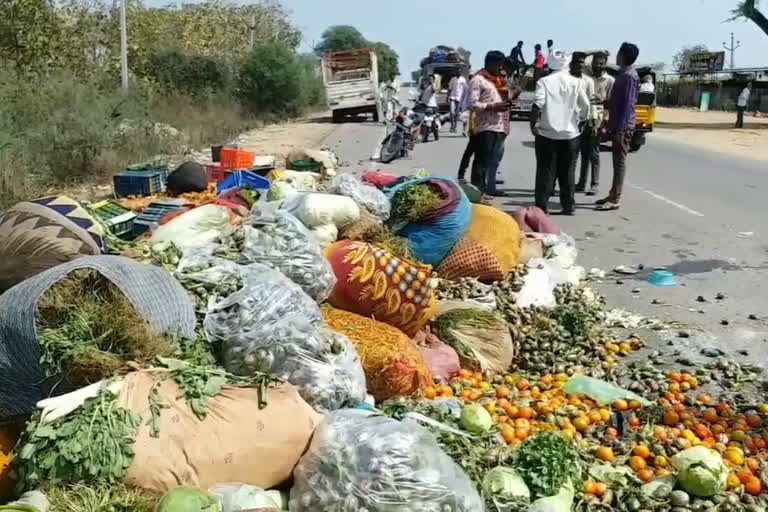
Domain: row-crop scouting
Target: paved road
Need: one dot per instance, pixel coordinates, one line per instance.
(700, 214)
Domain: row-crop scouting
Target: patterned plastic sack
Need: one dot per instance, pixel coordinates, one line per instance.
(373, 282)
(276, 238)
(272, 326)
(362, 461)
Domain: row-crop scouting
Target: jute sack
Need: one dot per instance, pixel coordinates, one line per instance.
(237, 441)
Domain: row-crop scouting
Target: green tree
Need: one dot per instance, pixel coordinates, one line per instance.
(340, 37)
(29, 31)
(681, 59)
(747, 9)
(388, 61)
(270, 80)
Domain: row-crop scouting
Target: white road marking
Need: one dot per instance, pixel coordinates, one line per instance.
(667, 200)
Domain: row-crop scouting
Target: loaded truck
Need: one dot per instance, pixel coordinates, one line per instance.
(351, 80)
(443, 63)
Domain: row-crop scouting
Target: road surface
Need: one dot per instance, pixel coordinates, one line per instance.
(701, 214)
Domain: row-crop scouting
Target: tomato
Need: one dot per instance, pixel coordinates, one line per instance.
(671, 418)
(637, 463)
(634, 422)
(464, 373)
(590, 486)
(430, 393)
(446, 390)
(512, 411)
(508, 433)
(502, 392)
(600, 489)
(660, 461)
(642, 451)
(662, 471)
(620, 405)
(581, 423)
(733, 481)
(594, 417)
(522, 384)
(611, 432)
(635, 405)
(645, 475)
(753, 465)
(526, 412)
(753, 486)
(605, 453)
(744, 476)
(675, 376)
(754, 421)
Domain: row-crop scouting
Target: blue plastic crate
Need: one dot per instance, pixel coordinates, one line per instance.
(163, 169)
(137, 183)
(150, 217)
(242, 178)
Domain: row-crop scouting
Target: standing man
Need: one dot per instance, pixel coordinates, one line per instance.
(561, 105)
(517, 59)
(741, 104)
(489, 99)
(550, 49)
(590, 137)
(428, 96)
(457, 88)
(621, 121)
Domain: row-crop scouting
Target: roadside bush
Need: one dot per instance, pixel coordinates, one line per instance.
(188, 74)
(271, 80)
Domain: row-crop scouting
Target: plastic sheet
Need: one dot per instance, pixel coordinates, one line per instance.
(195, 228)
(362, 461)
(319, 209)
(272, 326)
(373, 199)
(276, 238)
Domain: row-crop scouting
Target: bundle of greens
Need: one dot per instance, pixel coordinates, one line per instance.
(88, 330)
(548, 463)
(413, 203)
(93, 444)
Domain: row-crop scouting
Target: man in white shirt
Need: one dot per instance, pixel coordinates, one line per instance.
(741, 104)
(561, 105)
(428, 95)
(590, 136)
(457, 89)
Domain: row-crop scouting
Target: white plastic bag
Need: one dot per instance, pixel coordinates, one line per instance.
(195, 228)
(236, 497)
(538, 290)
(325, 234)
(373, 199)
(319, 209)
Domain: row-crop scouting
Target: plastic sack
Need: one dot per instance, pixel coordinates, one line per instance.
(325, 234)
(379, 179)
(319, 209)
(272, 326)
(532, 219)
(373, 282)
(194, 228)
(433, 238)
(373, 199)
(276, 238)
(392, 365)
(481, 338)
(362, 461)
(237, 497)
(489, 249)
(538, 290)
(441, 359)
(599, 390)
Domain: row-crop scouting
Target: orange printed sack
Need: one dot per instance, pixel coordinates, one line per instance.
(371, 282)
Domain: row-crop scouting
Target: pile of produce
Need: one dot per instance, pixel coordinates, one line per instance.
(414, 203)
(88, 330)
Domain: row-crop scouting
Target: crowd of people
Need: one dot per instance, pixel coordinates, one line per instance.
(575, 108)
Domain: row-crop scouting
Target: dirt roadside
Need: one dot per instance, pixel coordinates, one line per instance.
(714, 131)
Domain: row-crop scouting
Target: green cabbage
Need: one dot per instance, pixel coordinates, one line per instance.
(700, 471)
(560, 502)
(476, 419)
(506, 484)
(188, 499)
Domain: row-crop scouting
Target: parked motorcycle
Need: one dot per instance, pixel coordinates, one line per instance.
(401, 140)
(430, 121)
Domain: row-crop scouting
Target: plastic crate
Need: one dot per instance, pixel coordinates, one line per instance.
(151, 216)
(242, 178)
(306, 165)
(216, 173)
(117, 218)
(137, 183)
(163, 169)
(233, 158)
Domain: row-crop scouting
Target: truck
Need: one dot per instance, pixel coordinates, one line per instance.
(351, 80)
(443, 63)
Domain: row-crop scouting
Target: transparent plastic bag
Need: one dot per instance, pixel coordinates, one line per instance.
(272, 326)
(207, 278)
(373, 199)
(600, 390)
(236, 497)
(359, 460)
(276, 238)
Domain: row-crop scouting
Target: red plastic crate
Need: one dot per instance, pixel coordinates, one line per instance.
(216, 172)
(233, 158)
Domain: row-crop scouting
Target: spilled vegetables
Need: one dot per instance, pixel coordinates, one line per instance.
(475, 418)
(700, 471)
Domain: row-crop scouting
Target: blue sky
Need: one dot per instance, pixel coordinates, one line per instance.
(658, 27)
(411, 27)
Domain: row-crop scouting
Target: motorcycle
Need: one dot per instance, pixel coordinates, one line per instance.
(401, 140)
(429, 121)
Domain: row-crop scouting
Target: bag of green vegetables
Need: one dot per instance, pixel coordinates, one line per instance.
(359, 460)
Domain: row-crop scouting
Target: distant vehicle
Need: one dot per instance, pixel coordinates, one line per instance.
(401, 140)
(443, 63)
(351, 80)
(523, 104)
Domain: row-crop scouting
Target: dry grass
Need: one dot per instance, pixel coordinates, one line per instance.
(371, 230)
(89, 330)
(99, 498)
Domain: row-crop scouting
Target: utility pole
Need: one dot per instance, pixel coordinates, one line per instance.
(734, 46)
(253, 30)
(123, 46)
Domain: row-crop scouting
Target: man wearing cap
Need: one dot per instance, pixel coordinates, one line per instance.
(561, 104)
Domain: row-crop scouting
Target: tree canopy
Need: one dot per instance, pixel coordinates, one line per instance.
(681, 59)
(748, 10)
(345, 37)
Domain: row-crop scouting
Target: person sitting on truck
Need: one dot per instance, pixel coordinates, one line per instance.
(517, 59)
(456, 91)
(538, 62)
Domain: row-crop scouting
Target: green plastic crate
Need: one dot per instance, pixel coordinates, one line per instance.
(117, 218)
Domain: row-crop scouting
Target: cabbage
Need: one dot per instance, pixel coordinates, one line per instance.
(700, 471)
(506, 484)
(188, 499)
(476, 419)
(560, 502)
